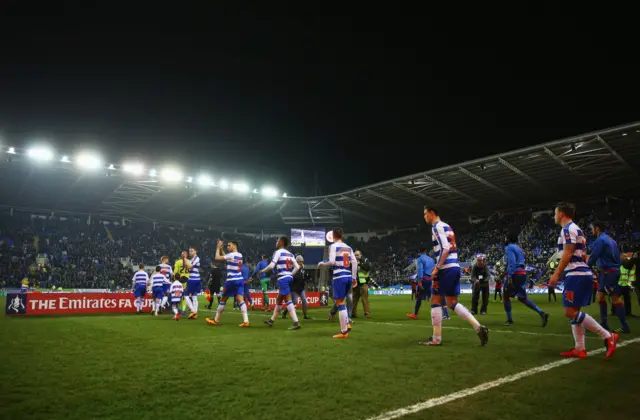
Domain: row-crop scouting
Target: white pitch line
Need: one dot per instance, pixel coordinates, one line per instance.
(434, 402)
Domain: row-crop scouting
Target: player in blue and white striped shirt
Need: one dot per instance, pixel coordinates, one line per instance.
(168, 273)
(344, 266)
(140, 281)
(194, 286)
(445, 276)
(234, 286)
(158, 280)
(286, 267)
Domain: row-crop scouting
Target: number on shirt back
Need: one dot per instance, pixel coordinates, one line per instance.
(346, 261)
(239, 265)
(452, 243)
(289, 264)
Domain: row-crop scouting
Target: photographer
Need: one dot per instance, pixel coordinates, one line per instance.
(361, 291)
(480, 277)
(213, 284)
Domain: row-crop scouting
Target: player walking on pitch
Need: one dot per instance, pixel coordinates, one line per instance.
(446, 280)
(167, 271)
(577, 284)
(234, 286)
(140, 281)
(158, 280)
(176, 291)
(194, 287)
(284, 261)
(344, 264)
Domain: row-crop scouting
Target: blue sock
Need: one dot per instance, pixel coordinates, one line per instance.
(529, 304)
(445, 311)
(622, 315)
(604, 313)
(417, 308)
(507, 309)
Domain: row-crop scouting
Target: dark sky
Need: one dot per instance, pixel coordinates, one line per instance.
(269, 95)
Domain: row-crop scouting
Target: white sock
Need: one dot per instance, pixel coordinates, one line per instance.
(219, 311)
(292, 311)
(189, 304)
(175, 309)
(157, 308)
(139, 305)
(436, 321)
(164, 301)
(344, 316)
(195, 303)
(593, 326)
(245, 314)
(276, 310)
(578, 336)
(466, 315)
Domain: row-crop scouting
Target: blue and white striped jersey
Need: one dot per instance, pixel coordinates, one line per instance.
(140, 278)
(234, 266)
(443, 238)
(176, 291)
(284, 263)
(158, 280)
(194, 272)
(343, 260)
(167, 271)
(572, 234)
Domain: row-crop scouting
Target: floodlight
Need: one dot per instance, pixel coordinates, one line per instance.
(255, 191)
(43, 154)
(134, 168)
(65, 159)
(171, 174)
(224, 184)
(205, 180)
(152, 173)
(269, 192)
(240, 187)
(12, 151)
(88, 161)
(284, 195)
(111, 167)
(190, 179)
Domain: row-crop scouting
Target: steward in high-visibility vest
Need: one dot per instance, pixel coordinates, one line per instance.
(627, 277)
(361, 291)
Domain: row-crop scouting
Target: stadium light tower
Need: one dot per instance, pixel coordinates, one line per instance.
(134, 168)
(88, 161)
(269, 192)
(171, 174)
(42, 154)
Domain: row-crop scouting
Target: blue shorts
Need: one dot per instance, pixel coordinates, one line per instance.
(140, 291)
(447, 283)
(157, 292)
(166, 288)
(284, 285)
(194, 287)
(518, 287)
(424, 292)
(577, 290)
(608, 283)
(233, 288)
(341, 287)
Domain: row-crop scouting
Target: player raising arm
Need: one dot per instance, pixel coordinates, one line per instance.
(344, 266)
(577, 283)
(234, 286)
(283, 261)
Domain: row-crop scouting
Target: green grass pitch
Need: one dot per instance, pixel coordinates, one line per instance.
(139, 367)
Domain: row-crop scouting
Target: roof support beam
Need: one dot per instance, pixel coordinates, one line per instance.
(354, 213)
(519, 172)
(447, 187)
(424, 196)
(617, 156)
(241, 212)
(487, 183)
(560, 161)
(389, 199)
(217, 205)
(363, 204)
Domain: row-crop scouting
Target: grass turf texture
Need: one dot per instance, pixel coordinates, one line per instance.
(128, 366)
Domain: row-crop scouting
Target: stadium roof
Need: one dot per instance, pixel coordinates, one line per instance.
(601, 163)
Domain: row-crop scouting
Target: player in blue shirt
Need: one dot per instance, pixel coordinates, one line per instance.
(264, 280)
(516, 280)
(424, 265)
(606, 256)
(158, 280)
(578, 280)
(140, 281)
(246, 273)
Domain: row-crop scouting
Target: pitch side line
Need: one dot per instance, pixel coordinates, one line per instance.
(434, 402)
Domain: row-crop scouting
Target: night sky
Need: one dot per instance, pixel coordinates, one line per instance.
(264, 96)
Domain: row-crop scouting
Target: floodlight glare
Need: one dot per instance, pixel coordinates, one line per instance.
(152, 173)
(240, 187)
(42, 154)
(65, 159)
(88, 161)
(224, 184)
(205, 180)
(111, 167)
(171, 175)
(284, 195)
(133, 168)
(12, 151)
(269, 192)
(190, 179)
